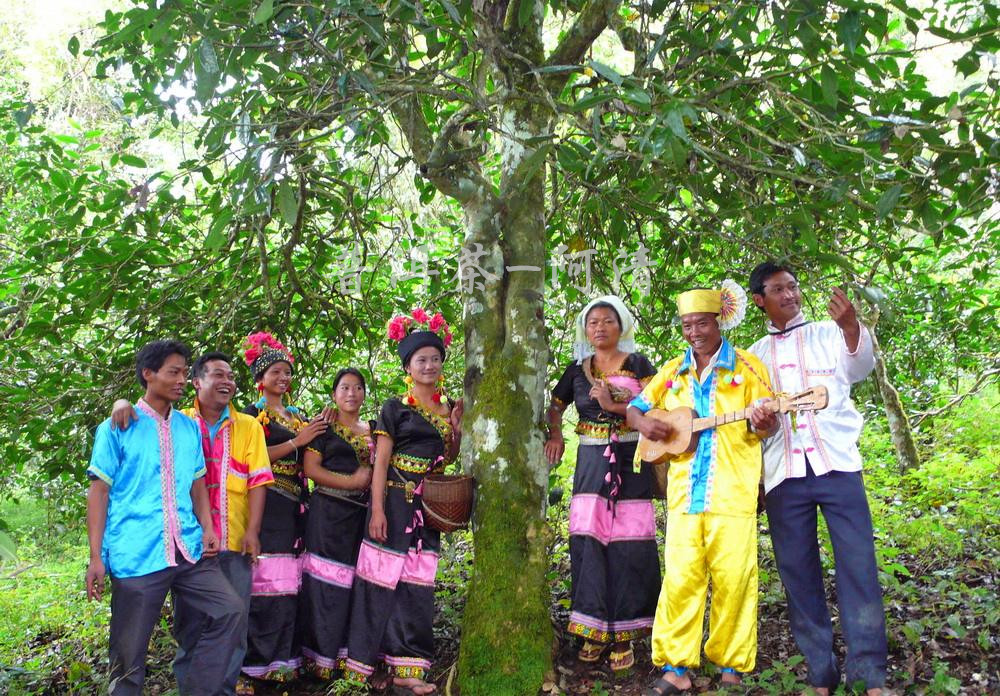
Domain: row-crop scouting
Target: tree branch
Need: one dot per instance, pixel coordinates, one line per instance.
(589, 24)
(976, 388)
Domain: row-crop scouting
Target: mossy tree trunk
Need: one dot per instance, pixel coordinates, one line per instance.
(506, 634)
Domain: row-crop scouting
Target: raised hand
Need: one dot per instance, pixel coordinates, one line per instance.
(601, 393)
(841, 310)
(843, 313)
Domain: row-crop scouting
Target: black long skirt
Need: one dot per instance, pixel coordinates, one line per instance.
(392, 612)
(613, 555)
(333, 537)
(272, 641)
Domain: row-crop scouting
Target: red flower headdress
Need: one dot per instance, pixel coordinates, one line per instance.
(401, 326)
(260, 343)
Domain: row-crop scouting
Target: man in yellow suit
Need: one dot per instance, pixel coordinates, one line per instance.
(711, 494)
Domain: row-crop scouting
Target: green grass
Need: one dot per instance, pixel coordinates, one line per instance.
(47, 627)
(949, 505)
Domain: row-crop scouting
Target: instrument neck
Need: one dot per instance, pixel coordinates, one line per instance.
(709, 422)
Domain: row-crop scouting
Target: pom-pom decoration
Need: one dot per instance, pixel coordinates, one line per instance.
(734, 305)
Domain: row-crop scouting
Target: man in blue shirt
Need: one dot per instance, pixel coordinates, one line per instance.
(149, 527)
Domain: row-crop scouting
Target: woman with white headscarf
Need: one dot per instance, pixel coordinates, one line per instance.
(613, 555)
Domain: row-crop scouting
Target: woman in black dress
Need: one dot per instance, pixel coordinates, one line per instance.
(392, 611)
(273, 651)
(340, 464)
(614, 560)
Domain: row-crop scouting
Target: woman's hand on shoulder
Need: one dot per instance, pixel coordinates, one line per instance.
(317, 426)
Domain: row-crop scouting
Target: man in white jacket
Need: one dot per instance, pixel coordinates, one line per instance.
(813, 463)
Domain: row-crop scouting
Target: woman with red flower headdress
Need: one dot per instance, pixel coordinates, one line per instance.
(392, 611)
(272, 642)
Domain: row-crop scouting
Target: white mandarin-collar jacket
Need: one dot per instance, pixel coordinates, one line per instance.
(812, 354)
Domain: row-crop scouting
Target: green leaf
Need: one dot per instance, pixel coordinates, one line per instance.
(288, 203)
(133, 161)
(874, 295)
(656, 48)
(533, 162)
(828, 81)
(8, 549)
(452, 12)
(524, 12)
(837, 260)
(264, 12)
(556, 69)
(217, 232)
(849, 30)
(639, 97)
(73, 46)
(593, 98)
(888, 201)
(206, 70)
(209, 60)
(606, 71)
(21, 116)
(675, 122)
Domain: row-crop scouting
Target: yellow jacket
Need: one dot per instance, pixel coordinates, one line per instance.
(723, 473)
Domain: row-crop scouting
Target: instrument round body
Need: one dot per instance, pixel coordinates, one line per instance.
(679, 440)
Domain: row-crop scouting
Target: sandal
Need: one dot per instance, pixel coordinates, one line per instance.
(622, 662)
(244, 686)
(662, 687)
(591, 652)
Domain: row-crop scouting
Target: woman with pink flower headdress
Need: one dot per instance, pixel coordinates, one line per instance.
(273, 652)
(392, 611)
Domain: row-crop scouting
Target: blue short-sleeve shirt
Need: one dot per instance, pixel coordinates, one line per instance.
(150, 468)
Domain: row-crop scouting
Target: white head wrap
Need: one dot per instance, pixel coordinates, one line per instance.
(626, 342)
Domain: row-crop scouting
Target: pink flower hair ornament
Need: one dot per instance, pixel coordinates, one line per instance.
(401, 326)
(256, 344)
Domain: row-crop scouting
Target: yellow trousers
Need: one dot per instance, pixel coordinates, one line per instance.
(699, 547)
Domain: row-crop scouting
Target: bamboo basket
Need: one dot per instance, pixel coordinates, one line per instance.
(447, 501)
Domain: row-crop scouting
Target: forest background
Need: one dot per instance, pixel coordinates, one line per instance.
(207, 169)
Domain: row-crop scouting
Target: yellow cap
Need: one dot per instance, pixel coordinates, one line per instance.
(694, 301)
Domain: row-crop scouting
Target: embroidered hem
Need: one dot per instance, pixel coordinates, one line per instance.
(598, 635)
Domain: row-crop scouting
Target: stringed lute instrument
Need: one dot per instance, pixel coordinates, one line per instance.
(686, 426)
